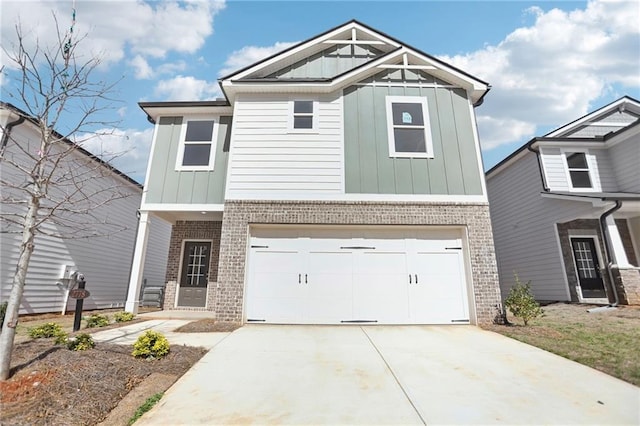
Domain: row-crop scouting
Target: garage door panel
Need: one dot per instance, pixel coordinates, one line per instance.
(329, 292)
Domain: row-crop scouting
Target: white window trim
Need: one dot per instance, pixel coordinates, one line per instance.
(314, 115)
(595, 184)
(181, 145)
(389, 100)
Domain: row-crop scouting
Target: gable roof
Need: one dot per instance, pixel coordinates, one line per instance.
(22, 114)
(393, 52)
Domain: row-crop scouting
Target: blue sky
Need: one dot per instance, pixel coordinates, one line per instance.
(548, 62)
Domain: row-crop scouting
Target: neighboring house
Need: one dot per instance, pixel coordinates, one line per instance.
(339, 181)
(566, 209)
(104, 260)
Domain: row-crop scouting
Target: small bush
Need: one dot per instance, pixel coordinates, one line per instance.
(97, 320)
(81, 342)
(48, 329)
(123, 316)
(151, 345)
(3, 312)
(148, 405)
(61, 339)
(521, 302)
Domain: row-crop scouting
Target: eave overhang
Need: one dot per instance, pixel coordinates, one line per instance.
(155, 110)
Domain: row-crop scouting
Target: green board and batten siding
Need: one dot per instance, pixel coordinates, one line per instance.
(369, 169)
(170, 186)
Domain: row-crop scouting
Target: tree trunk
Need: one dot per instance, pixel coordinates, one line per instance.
(13, 306)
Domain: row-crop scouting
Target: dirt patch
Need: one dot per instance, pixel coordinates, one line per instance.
(208, 325)
(606, 339)
(54, 386)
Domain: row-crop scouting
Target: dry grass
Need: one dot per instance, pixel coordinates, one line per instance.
(605, 340)
(208, 325)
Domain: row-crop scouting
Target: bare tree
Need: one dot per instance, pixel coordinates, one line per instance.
(48, 183)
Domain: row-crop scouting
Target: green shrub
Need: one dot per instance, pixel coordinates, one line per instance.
(81, 342)
(148, 405)
(521, 302)
(151, 345)
(3, 312)
(48, 329)
(61, 339)
(123, 316)
(97, 320)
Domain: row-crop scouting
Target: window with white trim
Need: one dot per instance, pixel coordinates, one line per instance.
(303, 115)
(197, 144)
(578, 168)
(408, 128)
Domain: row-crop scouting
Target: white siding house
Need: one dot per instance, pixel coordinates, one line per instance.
(104, 258)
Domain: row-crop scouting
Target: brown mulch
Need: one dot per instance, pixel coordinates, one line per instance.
(208, 325)
(55, 386)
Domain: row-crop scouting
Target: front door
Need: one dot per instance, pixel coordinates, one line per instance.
(194, 274)
(588, 268)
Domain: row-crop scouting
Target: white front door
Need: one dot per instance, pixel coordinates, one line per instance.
(338, 276)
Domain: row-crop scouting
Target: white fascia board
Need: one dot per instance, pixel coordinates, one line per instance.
(571, 145)
(173, 111)
(593, 116)
(404, 198)
(160, 207)
(317, 42)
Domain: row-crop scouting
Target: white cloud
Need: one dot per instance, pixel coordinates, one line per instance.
(150, 29)
(251, 54)
(187, 88)
(127, 150)
(141, 68)
(549, 73)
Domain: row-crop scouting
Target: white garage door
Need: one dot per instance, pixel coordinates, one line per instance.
(337, 276)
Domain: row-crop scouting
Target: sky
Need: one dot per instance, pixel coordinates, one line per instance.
(548, 63)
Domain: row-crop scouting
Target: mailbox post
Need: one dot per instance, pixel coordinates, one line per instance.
(79, 294)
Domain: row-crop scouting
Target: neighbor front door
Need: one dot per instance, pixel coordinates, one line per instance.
(194, 274)
(588, 268)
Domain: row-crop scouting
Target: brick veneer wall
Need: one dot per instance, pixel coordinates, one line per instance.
(191, 230)
(238, 215)
(628, 285)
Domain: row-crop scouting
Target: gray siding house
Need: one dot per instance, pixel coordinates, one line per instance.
(339, 181)
(105, 259)
(565, 209)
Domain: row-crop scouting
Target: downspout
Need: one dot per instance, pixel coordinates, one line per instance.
(607, 248)
(542, 177)
(7, 133)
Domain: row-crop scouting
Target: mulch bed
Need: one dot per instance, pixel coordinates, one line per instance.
(55, 386)
(208, 325)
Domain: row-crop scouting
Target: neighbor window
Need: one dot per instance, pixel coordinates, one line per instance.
(408, 127)
(303, 115)
(578, 168)
(197, 148)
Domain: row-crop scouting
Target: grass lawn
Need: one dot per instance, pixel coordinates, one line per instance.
(608, 341)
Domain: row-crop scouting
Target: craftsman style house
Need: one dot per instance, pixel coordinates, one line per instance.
(339, 181)
(566, 209)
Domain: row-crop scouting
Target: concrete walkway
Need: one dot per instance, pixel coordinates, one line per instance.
(263, 374)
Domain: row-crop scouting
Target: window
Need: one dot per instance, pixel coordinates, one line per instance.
(303, 116)
(578, 168)
(197, 147)
(408, 127)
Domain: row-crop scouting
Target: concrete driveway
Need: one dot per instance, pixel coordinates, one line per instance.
(262, 374)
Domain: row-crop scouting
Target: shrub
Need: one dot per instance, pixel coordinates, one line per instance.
(3, 312)
(521, 302)
(123, 316)
(97, 320)
(48, 329)
(61, 339)
(81, 342)
(151, 345)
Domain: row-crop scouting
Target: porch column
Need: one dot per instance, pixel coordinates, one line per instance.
(137, 264)
(619, 257)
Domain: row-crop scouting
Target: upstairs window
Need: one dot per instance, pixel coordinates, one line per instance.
(578, 169)
(197, 145)
(408, 127)
(303, 117)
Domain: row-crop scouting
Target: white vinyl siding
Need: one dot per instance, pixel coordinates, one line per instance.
(625, 158)
(556, 171)
(267, 161)
(524, 229)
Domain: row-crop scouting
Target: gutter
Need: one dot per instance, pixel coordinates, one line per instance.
(7, 133)
(542, 177)
(607, 249)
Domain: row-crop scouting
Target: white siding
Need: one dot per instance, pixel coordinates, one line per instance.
(524, 229)
(602, 173)
(625, 157)
(104, 260)
(269, 162)
(554, 169)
